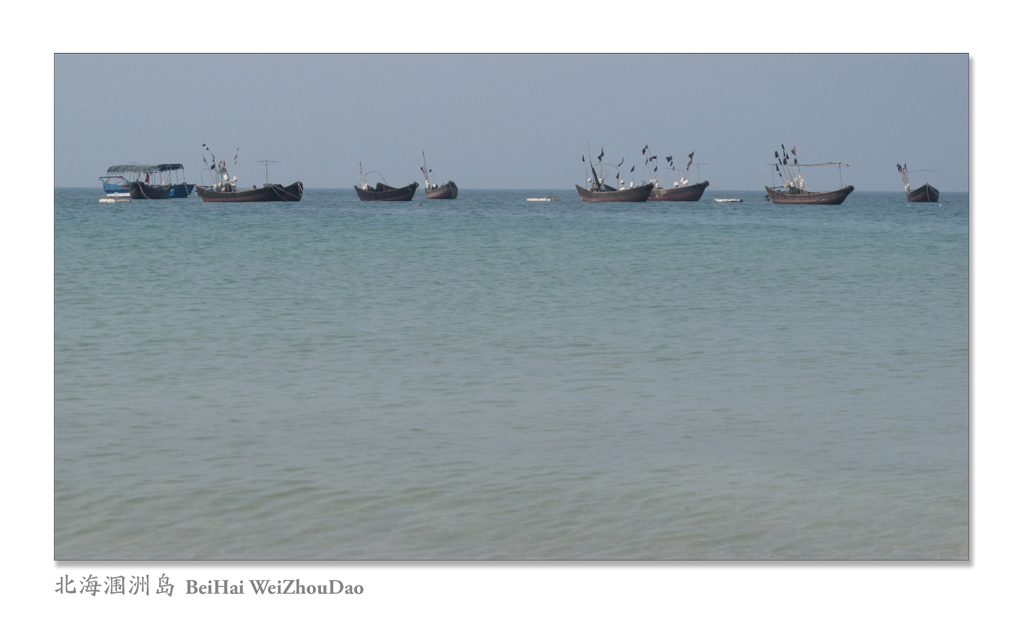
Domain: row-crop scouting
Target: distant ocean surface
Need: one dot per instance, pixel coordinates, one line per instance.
(490, 378)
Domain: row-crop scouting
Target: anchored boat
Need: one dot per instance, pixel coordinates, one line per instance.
(164, 181)
(266, 193)
(598, 191)
(690, 193)
(792, 191)
(383, 192)
(681, 189)
(224, 187)
(926, 193)
(609, 194)
(448, 190)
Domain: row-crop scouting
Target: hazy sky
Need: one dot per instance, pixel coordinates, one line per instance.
(514, 121)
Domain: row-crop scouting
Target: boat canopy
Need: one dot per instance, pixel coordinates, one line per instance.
(143, 168)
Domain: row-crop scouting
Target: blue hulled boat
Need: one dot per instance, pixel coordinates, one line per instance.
(164, 181)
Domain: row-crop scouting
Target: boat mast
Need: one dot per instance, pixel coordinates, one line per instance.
(426, 172)
(590, 160)
(266, 170)
(647, 161)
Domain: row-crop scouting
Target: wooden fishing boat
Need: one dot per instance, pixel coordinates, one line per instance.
(163, 181)
(681, 189)
(689, 193)
(606, 193)
(267, 193)
(793, 195)
(448, 190)
(792, 190)
(383, 192)
(141, 190)
(926, 193)
(225, 187)
(598, 191)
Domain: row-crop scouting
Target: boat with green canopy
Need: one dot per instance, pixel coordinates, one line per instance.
(162, 181)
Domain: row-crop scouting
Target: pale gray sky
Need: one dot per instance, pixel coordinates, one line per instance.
(517, 120)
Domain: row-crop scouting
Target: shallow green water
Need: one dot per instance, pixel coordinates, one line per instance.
(495, 379)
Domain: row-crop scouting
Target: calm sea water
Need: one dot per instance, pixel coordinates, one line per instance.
(495, 379)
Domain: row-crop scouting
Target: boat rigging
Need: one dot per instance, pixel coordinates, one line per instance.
(792, 190)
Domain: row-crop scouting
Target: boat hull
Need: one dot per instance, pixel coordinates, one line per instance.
(447, 190)
(118, 185)
(926, 193)
(635, 194)
(387, 193)
(827, 198)
(269, 193)
(679, 193)
(141, 190)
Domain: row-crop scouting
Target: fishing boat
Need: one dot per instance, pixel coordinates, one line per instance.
(681, 189)
(224, 187)
(729, 200)
(448, 190)
(800, 196)
(266, 193)
(792, 190)
(926, 193)
(598, 191)
(544, 199)
(690, 193)
(605, 193)
(164, 181)
(381, 191)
